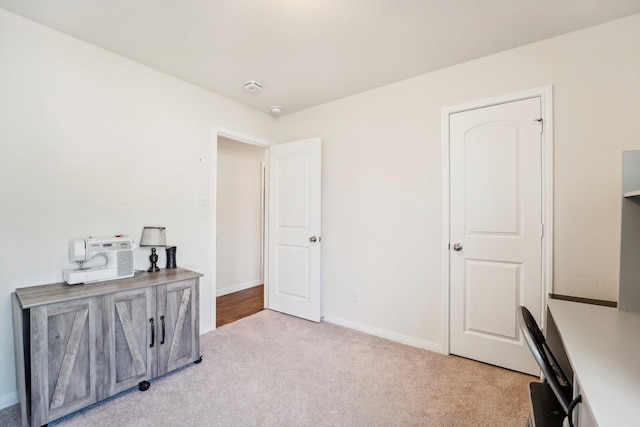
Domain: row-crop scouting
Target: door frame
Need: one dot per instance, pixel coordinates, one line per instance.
(546, 100)
(217, 132)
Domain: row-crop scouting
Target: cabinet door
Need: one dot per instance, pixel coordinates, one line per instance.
(582, 415)
(132, 337)
(63, 345)
(179, 327)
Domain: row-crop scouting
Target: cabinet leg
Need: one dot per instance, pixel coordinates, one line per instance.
(199, 360)
(144, 385)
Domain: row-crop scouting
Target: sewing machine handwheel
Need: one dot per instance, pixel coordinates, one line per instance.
(144, 385)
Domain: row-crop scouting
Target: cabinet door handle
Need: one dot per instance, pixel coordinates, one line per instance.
(163, 329)
(153, 333)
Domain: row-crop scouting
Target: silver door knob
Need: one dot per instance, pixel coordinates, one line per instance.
(313, 239)
(457, 247)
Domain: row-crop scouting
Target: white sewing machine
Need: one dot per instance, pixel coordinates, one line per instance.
(117, 252)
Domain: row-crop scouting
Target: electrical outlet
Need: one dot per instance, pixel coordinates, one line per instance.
(355, 295)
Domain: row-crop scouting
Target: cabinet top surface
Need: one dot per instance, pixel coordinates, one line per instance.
(603, 345)
(34, 296)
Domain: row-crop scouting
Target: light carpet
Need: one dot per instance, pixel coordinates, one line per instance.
(271, 369)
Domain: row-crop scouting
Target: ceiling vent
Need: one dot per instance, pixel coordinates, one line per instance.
(252, 86)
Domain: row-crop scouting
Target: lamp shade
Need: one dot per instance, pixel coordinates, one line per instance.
(153, 236)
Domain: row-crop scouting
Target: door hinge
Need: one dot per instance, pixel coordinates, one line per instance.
(541, 123)
(541, 230)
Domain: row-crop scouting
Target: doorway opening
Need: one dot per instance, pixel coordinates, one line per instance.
(240, 229)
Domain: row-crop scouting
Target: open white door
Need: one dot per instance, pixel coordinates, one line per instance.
(294, 254)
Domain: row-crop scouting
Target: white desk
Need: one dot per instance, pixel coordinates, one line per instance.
(603, 347)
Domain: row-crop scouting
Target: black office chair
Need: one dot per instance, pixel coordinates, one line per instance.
(551, 401)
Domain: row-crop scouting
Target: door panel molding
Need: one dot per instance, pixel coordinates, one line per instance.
(177, 337)
(129, 334)
(546, 95)
(69, 358)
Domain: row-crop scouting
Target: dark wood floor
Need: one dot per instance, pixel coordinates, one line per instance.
(237, 305)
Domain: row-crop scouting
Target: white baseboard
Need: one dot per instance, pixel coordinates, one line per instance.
(383, 333)
(238, 287)
(207, 329)
(8, 399)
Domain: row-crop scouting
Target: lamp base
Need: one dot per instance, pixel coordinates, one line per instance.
(153, 258)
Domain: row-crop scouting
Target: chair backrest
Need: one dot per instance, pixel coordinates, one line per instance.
(542, 354)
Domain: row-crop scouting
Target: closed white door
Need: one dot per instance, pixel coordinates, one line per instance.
(495, 230)
(294, 228)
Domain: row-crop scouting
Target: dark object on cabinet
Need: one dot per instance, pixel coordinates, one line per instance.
(171, 256)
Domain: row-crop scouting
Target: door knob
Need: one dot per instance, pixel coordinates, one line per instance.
(313, 239)
(457, 247)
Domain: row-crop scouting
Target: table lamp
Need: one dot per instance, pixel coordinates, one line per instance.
(153, 237)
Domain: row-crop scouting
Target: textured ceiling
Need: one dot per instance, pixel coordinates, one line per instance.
(309, 52)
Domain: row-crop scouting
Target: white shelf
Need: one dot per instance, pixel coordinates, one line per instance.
(632, 193)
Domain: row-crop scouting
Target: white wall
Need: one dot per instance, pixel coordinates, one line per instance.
(94, 144)
(382, 175)
(239, 216)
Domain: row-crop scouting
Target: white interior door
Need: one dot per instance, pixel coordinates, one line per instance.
(294, 250)
(495, 230)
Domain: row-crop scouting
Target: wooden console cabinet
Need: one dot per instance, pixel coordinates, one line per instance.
(76, 345)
